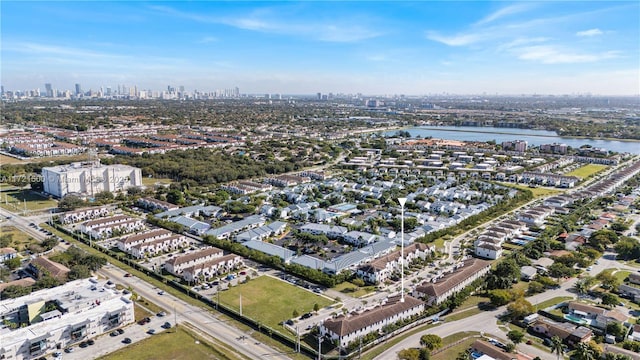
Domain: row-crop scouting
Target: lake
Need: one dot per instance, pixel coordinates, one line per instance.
(532, 137)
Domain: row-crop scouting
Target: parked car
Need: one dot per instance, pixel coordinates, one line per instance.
(151, 331)
(161, 314)
(69, 350)
(91, 342)
(120, 331)
(127, 341)
(166, 325)
(114, 333)
(306, 316)
(83, 344)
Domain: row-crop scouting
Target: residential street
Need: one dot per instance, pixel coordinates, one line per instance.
(487, 321)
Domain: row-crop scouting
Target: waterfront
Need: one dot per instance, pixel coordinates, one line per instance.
(533, 137)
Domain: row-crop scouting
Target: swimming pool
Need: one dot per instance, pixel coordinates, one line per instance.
(575, 319)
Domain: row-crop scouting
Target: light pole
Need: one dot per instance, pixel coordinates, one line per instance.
(402, 201)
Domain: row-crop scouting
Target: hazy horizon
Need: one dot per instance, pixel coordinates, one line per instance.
(373, 48)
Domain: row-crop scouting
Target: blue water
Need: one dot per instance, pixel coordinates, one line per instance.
(533, 137)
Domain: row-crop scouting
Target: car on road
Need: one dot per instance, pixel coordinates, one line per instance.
(127, 341)
(243, 273)
(91, 342)
(83, 344)
(590, 268)
(69, 350)
(166, 325)
(151, 331)
(161, 314)
(161, 292)
(127, 275)
(306, 316)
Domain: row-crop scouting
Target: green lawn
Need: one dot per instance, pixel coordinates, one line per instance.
(472, 302)
(6, 160)
(586, 171)
(554, 301)
(621, 275)
(537, 191)
(353, 290)
(463, 314)
(453, 351)
(175, 344)
(17, 200)
(20, 240)
(147, 181)
(270, 300)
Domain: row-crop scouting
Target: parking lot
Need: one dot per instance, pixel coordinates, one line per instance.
(108, 343)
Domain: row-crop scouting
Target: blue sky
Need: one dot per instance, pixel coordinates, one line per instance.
(400, 47)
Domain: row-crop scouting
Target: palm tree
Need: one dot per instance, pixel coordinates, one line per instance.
(584, 352)
(581, 287)
(556, 346)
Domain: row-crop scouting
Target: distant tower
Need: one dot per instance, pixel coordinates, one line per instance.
(78, 90)
(49, 90)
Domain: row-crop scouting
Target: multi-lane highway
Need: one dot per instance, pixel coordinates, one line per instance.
(199, 317)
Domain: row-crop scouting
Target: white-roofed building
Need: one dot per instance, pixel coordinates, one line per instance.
(83, 309)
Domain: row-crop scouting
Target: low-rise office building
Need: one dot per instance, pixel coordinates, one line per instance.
(51, 319)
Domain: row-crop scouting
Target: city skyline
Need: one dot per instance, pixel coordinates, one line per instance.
(380, 48)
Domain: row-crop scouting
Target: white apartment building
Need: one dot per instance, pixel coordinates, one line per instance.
(348, 328)
(178, 264)
(90, 178)
(212, 268)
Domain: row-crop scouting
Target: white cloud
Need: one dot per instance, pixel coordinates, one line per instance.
(457, 40)
(269, 21)
(548, 54)
(505, 11)
(590, 32)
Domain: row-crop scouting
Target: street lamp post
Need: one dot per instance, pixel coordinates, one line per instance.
(402, 201)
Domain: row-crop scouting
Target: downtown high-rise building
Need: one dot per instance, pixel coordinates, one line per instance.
(78, 90)
(48, 90)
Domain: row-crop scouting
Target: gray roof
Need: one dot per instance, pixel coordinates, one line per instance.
(189, 210)
(236, 226)
(266, 230)
(270, 249)
(190, 223)
(357, 257)
(309, 261)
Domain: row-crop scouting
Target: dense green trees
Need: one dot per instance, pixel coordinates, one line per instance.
(628, 248)
(504, 275)
(431, 341)
(70, 202)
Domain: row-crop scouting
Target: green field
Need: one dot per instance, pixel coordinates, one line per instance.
(586, 171)
(353, 290)
(170, 345)
(550, 302)
(537, 191)
(147, 181)
(270, 300)
(17, 200)
(20, 240)
(6, 160)
(453, 351)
